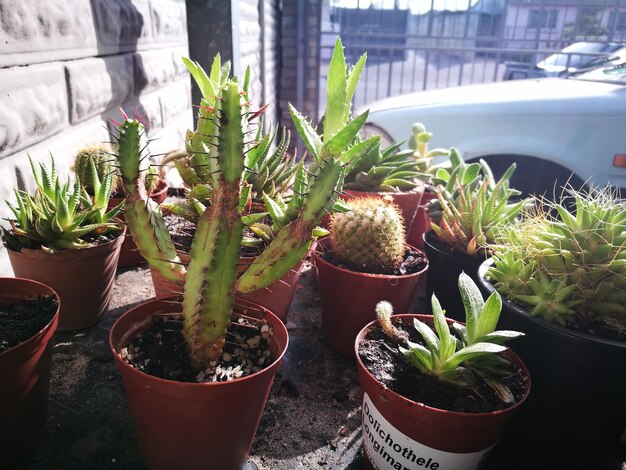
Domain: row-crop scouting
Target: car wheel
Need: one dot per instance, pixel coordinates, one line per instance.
(534, 176)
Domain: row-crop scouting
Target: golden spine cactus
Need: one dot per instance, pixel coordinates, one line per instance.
(104, 162)
(370, 237)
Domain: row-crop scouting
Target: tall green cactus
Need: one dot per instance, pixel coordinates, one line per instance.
(217, 151)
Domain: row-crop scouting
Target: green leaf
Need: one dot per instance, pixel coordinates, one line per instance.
(488, 319)
(472, 302)
(346, 135)
(353, 80)
(307, 133)
(336, 92)
(430, 338)
(472, 351)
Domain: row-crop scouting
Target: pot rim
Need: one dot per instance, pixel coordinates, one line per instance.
(444, 249)
(544, 325)
(53, 320)
(420, 188)
(407, 316)
(136, 325)
(322, 243)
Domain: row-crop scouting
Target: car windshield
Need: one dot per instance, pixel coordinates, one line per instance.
(575, 54)
(607, 69)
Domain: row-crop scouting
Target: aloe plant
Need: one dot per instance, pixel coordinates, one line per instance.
(567, 265)
(217, 154)
(471, 205)
(474, 349)
(61, 216)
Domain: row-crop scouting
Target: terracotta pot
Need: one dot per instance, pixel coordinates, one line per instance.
(82, 278)
(577, 413)
(24, 378)
(189, 425)
(277, 296)
(421, 222)
(419, 436)
(129, 254)
(348, 298)
(443, 275)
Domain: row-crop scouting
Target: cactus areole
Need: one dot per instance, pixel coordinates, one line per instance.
(217, 150)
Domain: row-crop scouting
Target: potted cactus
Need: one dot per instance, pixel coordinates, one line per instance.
(102, 157)
(364, 260)
(65, 238)
(211, 418)
(561, 271)
(436, 398)
(470, 205)
(272, 177)
(29, 313)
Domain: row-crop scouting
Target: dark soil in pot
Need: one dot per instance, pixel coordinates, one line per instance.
(161, 351)
(385, 362)
(414, 262)
(22, 320)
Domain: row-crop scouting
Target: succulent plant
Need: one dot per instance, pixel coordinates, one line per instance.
(567, 265)
(387, 170)
(474, 349)
(217, 153)
(470, 205)
(370, 237)
(59, 216)
(418, 143)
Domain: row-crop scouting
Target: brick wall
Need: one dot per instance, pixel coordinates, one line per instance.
(66, 66)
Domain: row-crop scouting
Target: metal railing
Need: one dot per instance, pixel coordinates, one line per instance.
(412, 49)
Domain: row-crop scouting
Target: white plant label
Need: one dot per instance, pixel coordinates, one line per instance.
(390, 449)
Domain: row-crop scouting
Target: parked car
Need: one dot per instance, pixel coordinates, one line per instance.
(573, 58)
(556, 129)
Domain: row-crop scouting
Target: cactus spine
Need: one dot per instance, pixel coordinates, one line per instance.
(217, 153)
(370, 237)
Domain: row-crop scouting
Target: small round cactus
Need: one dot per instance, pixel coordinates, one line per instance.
(101, 156)
(370, 237)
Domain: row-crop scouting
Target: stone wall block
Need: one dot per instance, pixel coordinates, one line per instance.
(97, 84)
(169, 21)
(156, 69)
(33, 105)
(175, 101)
(122, 24)
(145, 107)
(38, 31)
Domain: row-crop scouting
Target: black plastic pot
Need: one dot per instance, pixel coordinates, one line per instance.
(442, 278)
(576, 415)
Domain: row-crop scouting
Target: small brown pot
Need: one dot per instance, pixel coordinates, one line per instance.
(419, 436)
(348, 298)
(82, 278)
(421, 222)
(277, 296)
(24, 378)
(190, 425)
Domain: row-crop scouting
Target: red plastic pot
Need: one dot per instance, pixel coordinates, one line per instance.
(24, 378)
(189, 425)
(419, 436)
(421, 222)
(82, 278)
(276, 297)
(348, 298)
